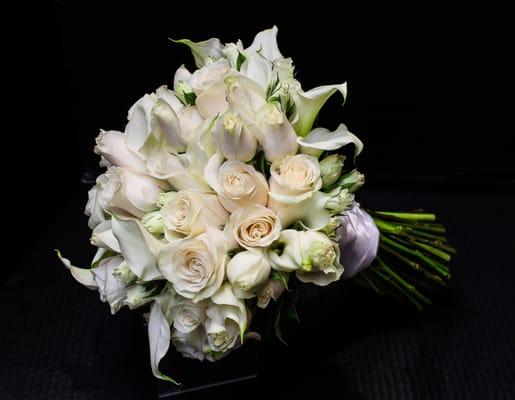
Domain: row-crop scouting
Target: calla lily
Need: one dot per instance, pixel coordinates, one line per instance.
(308, 105)
(159, 331)
(102, 236)
(265, 43)
(81, 275)
(138, 247)
(320, 139)
(202, 51)
(257, 68)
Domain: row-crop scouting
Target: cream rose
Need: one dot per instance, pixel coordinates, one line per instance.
(254, 226)
(247, 271)
(188, 316)
(293, 182)
(237, 184)
(191, 344)
(189, 213)
(195, 266)
(312, 255)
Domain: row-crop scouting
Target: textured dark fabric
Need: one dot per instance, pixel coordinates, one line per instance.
(58, 341)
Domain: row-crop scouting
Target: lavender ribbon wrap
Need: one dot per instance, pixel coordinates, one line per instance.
(359, 239)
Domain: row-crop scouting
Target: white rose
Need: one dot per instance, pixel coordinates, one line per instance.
(232, 139)
(254, 226)
(237, 184)
(294, 178)
(93, 208)
(126, 192)
(245, 97)
(166, 126)
(272, 289)
(112, 146)
(195, 266)
(247, 271)
(209, 75)
(189, 213)
(312, 255)
(275, 133)
(226, 320)
(188, 316)
(191, 344)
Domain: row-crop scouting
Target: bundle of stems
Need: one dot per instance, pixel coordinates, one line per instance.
(412, 259)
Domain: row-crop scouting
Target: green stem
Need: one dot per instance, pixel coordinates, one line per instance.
(390, 281)
(414, 265)
(402, 282)
(408, 216)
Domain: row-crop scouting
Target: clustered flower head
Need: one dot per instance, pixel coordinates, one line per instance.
(217, 186)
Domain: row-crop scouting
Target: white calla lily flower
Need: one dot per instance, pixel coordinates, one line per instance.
(320, 139)
(204, 51)
(308, 105)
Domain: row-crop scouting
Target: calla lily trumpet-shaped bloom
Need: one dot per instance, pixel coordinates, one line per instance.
(321, 139)
(308, 105)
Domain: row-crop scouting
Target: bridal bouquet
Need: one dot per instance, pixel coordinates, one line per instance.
(222, 196)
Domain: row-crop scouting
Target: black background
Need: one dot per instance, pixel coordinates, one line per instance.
(430, 95)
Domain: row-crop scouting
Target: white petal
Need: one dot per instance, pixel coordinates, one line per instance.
(323, 139)
(110, 288)
(139, 248)
(81, 275)
(102, 236)
(212, 101)
(181, 75)
(257, 68)
(159, 339)
(201, 50)
(266, 43)
(308, 105)
(138, 128)
(211, 171)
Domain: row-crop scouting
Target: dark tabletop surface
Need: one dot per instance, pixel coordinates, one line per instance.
(58, 341)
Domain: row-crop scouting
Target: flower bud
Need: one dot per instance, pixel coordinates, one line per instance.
(165, 197)
(153, 222)
(331, 228)
(124, 274)
(340, 201)
(272, 289)
(352, 181)
(137, 296)
(331, 168)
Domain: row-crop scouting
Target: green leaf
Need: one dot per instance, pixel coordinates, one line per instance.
(277, 322)
(190, 98)
(240, 60)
